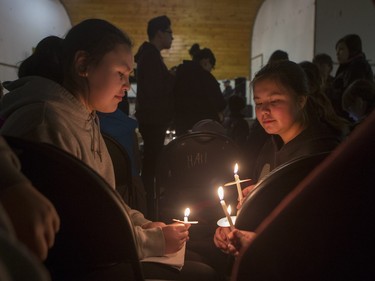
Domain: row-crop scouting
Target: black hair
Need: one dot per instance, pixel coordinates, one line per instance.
(288, 73)
(194, 49)
(278, 55)
(205, 54)
(161, 23)
(323, 59)
(45, 61)
(314, 78)
(353, 42)
(95, 37)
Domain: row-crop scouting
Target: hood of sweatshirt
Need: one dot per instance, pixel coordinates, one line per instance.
(37, 90)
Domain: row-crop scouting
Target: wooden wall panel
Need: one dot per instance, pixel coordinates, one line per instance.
(225, 26)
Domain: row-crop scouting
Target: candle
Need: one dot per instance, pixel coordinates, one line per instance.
(229, 210)
(238, 183)
(186, 218)
(220, 192)
(186, 215)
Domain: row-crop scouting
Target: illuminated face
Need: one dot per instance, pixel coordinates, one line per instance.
(277, 110)
(109, 79)
(342, 53)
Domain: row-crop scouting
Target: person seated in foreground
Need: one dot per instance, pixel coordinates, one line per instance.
(28, 222)
(33, 217)
(96, 61)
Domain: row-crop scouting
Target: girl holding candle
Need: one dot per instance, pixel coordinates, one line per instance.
(96, 61)
(293, 118)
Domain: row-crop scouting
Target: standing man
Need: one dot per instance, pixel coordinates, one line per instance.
(154, 107)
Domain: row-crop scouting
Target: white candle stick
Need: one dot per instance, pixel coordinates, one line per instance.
(229, 210)
(186, 218)
(238, 183)
(220, 192)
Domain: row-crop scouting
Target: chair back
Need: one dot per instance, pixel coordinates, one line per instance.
(96, 239)
(189, 171)
(269, 192)
(123, 170)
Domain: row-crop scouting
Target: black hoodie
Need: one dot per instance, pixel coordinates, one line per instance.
(154, 87)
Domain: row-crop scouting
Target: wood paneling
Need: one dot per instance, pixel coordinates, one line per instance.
(224, 26)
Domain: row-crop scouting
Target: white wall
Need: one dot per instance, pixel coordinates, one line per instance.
(23, 23)
(304, 28)
(287, 25)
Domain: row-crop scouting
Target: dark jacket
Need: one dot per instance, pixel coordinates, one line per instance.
(154, 87)
(197, 96)
(237, 128)
(316, 138)
(356, 68)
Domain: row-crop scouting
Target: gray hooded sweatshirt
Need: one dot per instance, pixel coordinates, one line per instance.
(39, 109)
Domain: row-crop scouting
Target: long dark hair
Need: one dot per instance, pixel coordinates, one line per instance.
(353, 42)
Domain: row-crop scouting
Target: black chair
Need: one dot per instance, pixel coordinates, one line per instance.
(189, 171)
(96, 240)
(269, 192)
(324, 229)
(123, 170)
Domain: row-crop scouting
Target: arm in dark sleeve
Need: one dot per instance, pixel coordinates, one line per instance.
(213, 91)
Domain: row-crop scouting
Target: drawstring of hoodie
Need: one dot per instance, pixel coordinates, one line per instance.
(94, 119)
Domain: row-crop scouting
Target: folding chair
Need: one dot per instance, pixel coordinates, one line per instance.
(96, 239)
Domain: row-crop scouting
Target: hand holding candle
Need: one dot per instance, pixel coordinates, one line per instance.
(220, 192)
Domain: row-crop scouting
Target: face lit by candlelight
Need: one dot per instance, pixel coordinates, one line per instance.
(236, 168)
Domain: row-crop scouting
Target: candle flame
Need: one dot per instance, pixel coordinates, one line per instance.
(187, 212)
(236, 168)
(229, 209)
(220, 192)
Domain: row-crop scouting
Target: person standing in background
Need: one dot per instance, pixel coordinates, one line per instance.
(353, 66)
(154, 105)
(197, 93)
